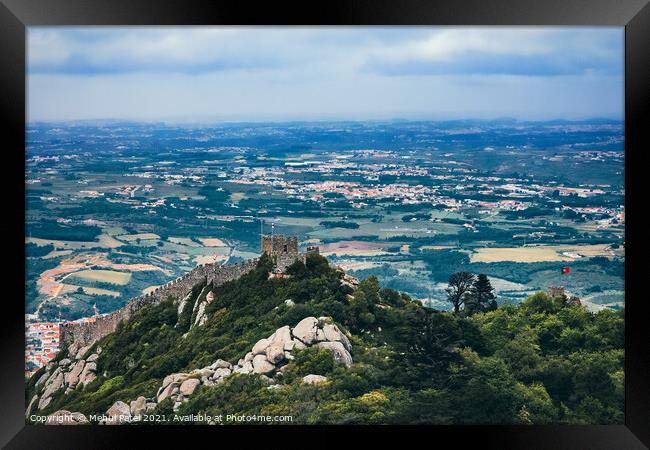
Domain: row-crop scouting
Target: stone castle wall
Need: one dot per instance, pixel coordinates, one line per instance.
(280, 245)
(283, 250)
(87, 333)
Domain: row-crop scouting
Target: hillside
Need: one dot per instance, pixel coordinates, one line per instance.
(314, 347)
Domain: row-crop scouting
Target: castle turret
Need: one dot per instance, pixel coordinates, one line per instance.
(283, 250)
(279, 245)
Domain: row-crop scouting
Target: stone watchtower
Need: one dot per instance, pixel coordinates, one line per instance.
(283, 250)
(279, 245)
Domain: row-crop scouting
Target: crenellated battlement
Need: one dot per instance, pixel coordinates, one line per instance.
(282, 249)
(279, 245)
(90, 331)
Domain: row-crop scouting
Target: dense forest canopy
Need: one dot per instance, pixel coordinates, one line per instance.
(546, 360)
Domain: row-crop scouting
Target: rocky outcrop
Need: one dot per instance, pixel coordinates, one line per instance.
(188, 386)
(88, 375)
(267, 358)
(88, 332)
(348, 280)
(333, 334)
(184, 301)
(339, 352)
(138, 406)
(67, 374)
(72, 377)
(30, 405)
(53, 384)
(271, 353)
(118, 414)
(307, 330)
(202, 301)
(314, 379)
(262, 365)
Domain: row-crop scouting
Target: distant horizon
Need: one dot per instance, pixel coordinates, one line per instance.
(333, 120)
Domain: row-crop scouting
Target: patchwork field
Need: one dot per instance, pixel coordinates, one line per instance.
(101, 276)
(354, 248)
(57, 253)
(140, 236)
(88, 268)
(183, 241)
(540, 253)
(70, 288)
(410, 216)
(212, 242)
(103, 241)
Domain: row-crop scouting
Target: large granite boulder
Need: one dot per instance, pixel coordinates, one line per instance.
(43, 378)
(274, 352)
(306, 330)
(260, 346)
(246, 367)
(73, 349)
(332, 333)
(183, 302)
(119, 413)
(173, 378)
(221, 373)
(72, 377)
(167, 391)
(220, 364)
(82, 351)
(282, 335)
(314, 379)
(43, 402)
(138, 406)
(261, 365)
(53, 384)
(88, 373)
(339, 352)
(188, 386)
(200, 315)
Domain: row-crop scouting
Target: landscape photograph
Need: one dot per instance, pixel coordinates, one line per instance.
(324, 225)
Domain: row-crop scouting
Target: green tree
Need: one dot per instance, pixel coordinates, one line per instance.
(481, 296)
(460, 284)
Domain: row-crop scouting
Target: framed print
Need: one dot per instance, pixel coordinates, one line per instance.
(381, 215)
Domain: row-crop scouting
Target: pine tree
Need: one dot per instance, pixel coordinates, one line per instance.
(481, 296)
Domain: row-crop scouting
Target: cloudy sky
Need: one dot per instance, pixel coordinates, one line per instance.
(320, 73)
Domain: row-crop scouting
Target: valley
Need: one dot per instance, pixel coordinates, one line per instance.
(115, 208)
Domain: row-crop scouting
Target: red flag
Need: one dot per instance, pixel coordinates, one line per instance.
(565, 270)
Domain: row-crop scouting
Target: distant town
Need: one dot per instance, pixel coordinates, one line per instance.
(116, 209)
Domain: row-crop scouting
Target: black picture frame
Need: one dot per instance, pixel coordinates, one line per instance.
(634, 15)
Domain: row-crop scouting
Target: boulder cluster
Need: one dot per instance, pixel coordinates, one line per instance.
(268, 357)
(120, 413)
(70, 373)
